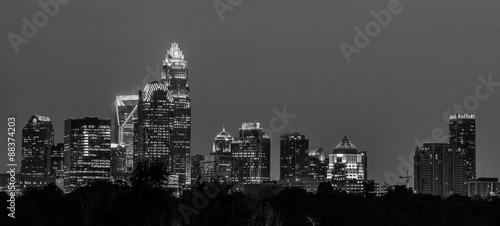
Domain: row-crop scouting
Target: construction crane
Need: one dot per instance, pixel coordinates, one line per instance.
(407, 177)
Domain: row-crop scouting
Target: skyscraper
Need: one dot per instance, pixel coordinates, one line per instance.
(293, 155)
(37, 139)
(317, 164)
(251, 153)
(87, 144)
(175, 75)
(433, 169)
(463, 143)
(346, 162)
(218, 165)
(125, 114)
(154, 124)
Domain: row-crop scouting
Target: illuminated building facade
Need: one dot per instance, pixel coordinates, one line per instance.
(125, 114)
(347, 163)
(37, 139)
(317, 164)
(293, 155)
(251, 153)
(87, 146)
(154, 124)
(433, 169)
(175, 75)
(222, 144)
(463, 143)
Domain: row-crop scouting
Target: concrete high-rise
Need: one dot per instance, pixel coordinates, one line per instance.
(433, 170)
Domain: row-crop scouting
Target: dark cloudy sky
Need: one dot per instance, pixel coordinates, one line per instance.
(265, 55)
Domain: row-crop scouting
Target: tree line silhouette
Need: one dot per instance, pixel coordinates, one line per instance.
(147, 201)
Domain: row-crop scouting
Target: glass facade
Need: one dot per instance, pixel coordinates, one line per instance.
(87, 146)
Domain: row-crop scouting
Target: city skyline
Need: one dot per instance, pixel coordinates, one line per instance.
(218, 91)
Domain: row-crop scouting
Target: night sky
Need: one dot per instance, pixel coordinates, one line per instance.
(266, 55)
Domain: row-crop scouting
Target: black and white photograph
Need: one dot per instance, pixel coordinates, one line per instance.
(249, 112)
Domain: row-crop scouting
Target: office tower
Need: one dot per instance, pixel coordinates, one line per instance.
(37, 139)
(293, 154)
(317, 164)
(154, 124)
(433, 169)
(216, 168)
(125, 114)
(346, 162)
(196, 168)
(87, 144)
(118, 154)
(222, 144)
(57, 160)
(463, 143)
(251, 153)
(175, 75)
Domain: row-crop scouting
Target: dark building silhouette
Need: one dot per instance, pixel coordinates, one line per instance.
(119, 170)
(37, 139)
(463, 143)
(57, 160)
(433, 169)
(196, 168)
(251, 153)
(293, 155)
(87, 147)
(175, 75)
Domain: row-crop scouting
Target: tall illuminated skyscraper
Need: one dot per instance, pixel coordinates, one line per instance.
(175, 75)
(125, 114)
(154, 124)
(37, 139)
(293, 155)
(87, 147)
(251, 153)
(463, 143)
